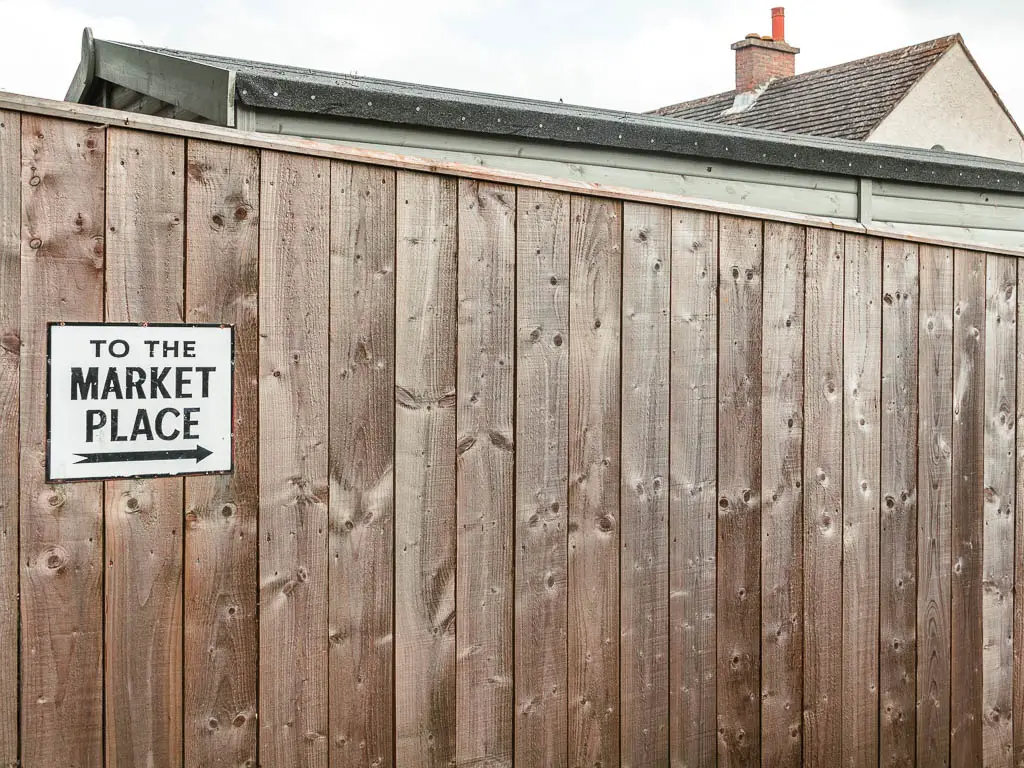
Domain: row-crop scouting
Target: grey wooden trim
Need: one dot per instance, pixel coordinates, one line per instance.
(803, 200)
(86, 72)
(948, 194)
(415, 137)
(990, 240)
(902, 210)
(864, 202)
(245, 117)
(199, 88)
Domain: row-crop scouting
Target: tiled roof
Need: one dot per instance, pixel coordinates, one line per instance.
(847, 101)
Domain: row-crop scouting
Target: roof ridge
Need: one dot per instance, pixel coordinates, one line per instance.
(947, 42)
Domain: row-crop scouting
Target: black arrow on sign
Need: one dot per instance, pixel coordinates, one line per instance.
(198, 453)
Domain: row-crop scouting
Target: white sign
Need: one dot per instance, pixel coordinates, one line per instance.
(138, 400)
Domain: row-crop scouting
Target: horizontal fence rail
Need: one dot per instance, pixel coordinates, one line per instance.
(522, 477)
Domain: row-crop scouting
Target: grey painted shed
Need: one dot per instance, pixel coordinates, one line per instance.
(944, 195)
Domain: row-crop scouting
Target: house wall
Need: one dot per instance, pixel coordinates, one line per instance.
(952, 106)
(520, 474)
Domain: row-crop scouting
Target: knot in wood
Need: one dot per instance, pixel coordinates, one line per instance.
(11, 342)
(55, 557)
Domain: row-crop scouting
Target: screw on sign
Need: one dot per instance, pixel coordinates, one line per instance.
(138, 400)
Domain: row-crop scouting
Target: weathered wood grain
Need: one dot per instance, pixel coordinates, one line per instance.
(935, 387)
(862, 346)
(999, 510)
(542, 467)
(897, 662)
(782, 527)
(221, 586)
(823, 499)
(425, 532)
(693, 499)
(739, 491)
(595, 276)
(643, 584)
(143, 618)
(10, 373)
(485, 477)
(967, 505)
(62, 260)
(293, 322)
(362, 425)
(1018, 560)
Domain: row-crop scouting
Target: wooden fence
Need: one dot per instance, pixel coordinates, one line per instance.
(522, 476)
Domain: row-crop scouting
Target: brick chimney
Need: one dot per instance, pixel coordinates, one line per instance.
(760, 59)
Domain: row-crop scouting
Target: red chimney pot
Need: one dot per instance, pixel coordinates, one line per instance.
(779, 24)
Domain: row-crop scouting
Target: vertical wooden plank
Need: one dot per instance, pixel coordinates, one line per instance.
(646, 275)
(823, 499)
(362, 410)
(782, 529)
(62, 261)
(1018, 560)
(739, 491)
(145, 281)
(595, 276)
(10, 346)
(293, 322)
(998, 510)
(693, 502)
(897, 663)
(935, 387)
(425, 533)
(485, 474)
(542, 467)
(967, 506)
(862, 348)
(221, 632)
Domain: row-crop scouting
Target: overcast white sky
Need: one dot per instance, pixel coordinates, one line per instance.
(624, 55)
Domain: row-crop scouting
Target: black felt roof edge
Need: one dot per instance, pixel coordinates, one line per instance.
(291, 89)
(399, 103)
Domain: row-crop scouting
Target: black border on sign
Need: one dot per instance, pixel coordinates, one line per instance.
(49, 345)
